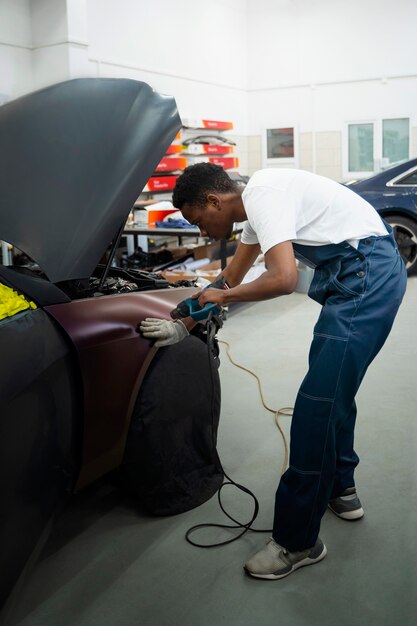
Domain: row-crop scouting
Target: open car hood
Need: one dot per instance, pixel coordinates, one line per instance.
(73, 159)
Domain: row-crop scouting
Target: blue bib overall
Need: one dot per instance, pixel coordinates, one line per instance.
(360, 290)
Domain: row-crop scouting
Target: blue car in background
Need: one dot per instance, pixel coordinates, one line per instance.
(393, 193)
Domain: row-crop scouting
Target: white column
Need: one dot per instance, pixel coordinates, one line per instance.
(78, 38)
(59, 40)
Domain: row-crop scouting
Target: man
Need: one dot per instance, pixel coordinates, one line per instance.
(359, 280)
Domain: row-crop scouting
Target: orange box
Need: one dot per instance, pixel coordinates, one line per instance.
(217, 125)
(157, 215)
(225, 162)
(170, 164)
(218, 149)
(174, 148)
(160, 183)
(207, 124)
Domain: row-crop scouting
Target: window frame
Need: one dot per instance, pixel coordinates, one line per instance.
(347, 173)
(379, 160)
(279, 161)
(387, 119)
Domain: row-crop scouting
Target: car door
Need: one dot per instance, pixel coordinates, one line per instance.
(39, 447)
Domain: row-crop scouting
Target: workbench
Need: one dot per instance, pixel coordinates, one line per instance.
(139, 230)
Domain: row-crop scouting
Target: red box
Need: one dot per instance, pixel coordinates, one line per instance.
(161, 183)
(212, 124)
(171, 164)
(218, 149)
(225, 162)
(207, 124)
(174, 148)
(157, 215)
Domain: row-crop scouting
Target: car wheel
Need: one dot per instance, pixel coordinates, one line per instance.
(170, 461)
(405, 232)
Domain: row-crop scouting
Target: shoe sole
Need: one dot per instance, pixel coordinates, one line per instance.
(302, 563)
(349, 515)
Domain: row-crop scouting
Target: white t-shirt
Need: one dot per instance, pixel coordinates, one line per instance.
(298, 206)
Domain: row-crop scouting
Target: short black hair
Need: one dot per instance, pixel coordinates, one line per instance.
(199, 180)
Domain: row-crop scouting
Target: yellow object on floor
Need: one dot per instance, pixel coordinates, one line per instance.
(11, 302)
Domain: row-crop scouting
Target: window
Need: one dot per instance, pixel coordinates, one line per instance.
(371, 146)
(279, 146)
(395, 140)
(409, 179)
(361, 147)
(280, 143)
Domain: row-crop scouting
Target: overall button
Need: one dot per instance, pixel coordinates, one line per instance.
(360, 274)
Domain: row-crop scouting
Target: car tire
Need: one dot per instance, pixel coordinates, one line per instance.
(405, 232)
(170, 461)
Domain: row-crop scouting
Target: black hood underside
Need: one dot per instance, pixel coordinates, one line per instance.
(73, 159)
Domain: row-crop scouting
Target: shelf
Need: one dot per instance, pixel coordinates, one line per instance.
(179, 155)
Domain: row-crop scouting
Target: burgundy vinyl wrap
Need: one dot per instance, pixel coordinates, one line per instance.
(113, 360)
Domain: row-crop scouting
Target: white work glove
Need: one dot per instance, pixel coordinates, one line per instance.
(166, 333)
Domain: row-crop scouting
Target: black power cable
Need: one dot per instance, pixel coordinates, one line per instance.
(211, 329)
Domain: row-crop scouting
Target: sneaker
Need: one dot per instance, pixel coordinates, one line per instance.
(347, 505)
(274, 561)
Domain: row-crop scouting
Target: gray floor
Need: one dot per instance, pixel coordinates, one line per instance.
(108, 565)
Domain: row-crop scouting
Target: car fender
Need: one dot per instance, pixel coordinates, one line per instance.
(113, 359)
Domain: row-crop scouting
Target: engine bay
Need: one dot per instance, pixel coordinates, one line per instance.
(27, 277)
(119, 281)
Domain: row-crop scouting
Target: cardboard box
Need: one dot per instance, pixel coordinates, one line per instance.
(210, 271)
(175, 275)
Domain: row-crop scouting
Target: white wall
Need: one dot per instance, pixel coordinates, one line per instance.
(325, 107)
(329, 60)
(40, 43)
(15, 48)
(59, 40)
(318, 65)
(195, 50)
(294, 42)
(259, 63)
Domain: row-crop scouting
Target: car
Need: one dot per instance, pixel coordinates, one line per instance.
(393, 193)
(75, 372)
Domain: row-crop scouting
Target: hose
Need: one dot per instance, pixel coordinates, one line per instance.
(286, 410)
(237, 524)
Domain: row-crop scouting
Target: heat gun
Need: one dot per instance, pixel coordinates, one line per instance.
(191, 308)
